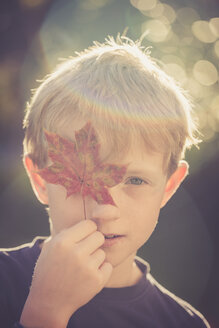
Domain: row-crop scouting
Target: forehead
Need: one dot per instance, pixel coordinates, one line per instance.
(142, 162)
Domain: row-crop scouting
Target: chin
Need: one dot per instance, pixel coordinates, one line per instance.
(118, 259)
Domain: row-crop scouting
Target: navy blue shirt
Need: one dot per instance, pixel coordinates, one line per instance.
(146, 304)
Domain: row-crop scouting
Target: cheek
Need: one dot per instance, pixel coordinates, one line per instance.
(64, 212)
(142, 226)
(146, 221)
(142, 212)
(146, 199)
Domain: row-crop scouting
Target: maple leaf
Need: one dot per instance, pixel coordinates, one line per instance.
(77, 166)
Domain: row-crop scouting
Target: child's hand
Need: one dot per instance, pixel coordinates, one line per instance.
(69, 272)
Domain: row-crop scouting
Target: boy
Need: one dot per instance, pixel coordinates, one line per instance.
(87, 273)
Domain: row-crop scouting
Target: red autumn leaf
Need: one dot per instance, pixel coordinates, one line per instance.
(77, 166)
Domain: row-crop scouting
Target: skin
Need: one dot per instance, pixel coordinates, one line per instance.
(74, 265)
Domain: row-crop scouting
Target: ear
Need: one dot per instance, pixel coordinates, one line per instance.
(37, 183)
(175, 181)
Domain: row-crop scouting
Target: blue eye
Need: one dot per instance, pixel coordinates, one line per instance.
(135, 181)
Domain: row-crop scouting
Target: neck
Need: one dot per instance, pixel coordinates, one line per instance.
(125, 274)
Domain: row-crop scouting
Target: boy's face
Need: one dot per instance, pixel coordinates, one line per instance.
(139, 197)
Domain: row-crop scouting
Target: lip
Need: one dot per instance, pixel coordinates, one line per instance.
(113, 241)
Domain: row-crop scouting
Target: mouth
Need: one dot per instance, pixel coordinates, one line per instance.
(112, 239)
(111, 236)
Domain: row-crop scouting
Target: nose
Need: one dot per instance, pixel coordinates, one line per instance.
(104, 212)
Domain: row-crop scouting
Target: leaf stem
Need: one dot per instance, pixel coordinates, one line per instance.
(84, 171)
(85, 215)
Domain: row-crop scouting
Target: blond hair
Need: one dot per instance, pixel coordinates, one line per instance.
(124, 93)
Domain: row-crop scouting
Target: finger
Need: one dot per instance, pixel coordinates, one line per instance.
(106, 271)
(79, 231)
(91, 243)
(97, 258)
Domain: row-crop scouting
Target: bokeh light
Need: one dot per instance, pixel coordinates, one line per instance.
(214, 26)
(157, 11)
(144, 5)
(177, 72)
(169, 13)
(157, 30)
(189, 48)
(202, 31)
(205, 72)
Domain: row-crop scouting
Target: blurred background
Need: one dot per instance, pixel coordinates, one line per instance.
(183, 34)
